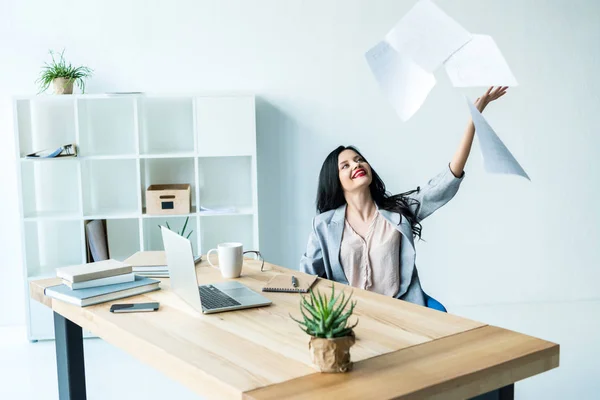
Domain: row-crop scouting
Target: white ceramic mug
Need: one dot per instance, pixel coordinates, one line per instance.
(230, 259)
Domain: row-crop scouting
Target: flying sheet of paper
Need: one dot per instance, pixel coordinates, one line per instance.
(404, 83)
(496, 157)
(427, 35)
(479, 63)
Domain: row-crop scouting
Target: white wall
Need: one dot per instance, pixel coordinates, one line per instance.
(502, 249)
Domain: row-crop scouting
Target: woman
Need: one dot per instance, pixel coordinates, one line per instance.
(362, 236)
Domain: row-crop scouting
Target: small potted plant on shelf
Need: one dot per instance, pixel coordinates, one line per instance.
(331, 336)
(182, 233)
(62, 75)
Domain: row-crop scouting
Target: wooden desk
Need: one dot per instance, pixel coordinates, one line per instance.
(402, 350)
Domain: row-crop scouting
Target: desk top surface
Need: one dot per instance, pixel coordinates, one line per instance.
(262, 353)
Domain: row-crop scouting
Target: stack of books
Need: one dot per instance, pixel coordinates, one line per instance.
(152, 264)
(149, 263)
(101, 273)
(98, 282)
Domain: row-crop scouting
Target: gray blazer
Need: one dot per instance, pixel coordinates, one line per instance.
(322, 255)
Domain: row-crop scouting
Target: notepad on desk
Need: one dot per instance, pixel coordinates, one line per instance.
(284, 283)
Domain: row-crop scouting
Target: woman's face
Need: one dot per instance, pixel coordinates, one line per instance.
(354, 172)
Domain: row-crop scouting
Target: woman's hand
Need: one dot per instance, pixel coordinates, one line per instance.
(490, 95)
(459, 160)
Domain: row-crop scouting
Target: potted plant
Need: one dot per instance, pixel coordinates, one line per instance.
(182, 233)
(325, 319)
(62, 75)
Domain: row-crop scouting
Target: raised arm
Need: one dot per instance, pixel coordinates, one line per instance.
(457, 165)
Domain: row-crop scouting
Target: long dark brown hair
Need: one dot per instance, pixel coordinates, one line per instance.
(330, 194)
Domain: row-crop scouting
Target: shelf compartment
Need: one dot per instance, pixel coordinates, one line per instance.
(45, 124)
(167, 125)
(226, 126)
(107, 127)
(110, 188)
(225, 182)
(161, 171)
(226, 228)
(123, 236)
(153, 236)
(46, 247)
(50, 189)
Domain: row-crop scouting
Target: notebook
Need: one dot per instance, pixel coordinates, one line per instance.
(147, 261)
(111, 280)
(90, 296)
(283, 283)
(96, 270)
(151, 263)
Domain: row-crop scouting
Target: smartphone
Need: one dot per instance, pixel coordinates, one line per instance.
(137, 307)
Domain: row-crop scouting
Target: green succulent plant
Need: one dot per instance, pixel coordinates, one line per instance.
(325, 317)
(61, 69)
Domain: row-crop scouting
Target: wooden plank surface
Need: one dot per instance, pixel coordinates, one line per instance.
(227, 354)
(456, 367)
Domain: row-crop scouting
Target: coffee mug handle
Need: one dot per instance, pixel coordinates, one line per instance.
(208, 257)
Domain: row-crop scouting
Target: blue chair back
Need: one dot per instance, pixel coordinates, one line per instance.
(433, 303)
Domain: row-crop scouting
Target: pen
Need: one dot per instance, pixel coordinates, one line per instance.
(294, 281)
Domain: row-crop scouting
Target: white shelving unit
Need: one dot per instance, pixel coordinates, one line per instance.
(125, 144)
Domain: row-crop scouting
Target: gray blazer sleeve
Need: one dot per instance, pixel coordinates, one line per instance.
(312, 261)
(438, 191)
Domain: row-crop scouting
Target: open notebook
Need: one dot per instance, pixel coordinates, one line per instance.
(283, 283)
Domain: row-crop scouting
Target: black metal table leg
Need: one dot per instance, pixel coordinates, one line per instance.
(507, 392)
(69, 359)
(504, 393)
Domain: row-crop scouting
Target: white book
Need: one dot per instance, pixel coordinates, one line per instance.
(156, 271)
(95, 295)
(147, 259)
(111, 280)
(151, 263)
(95, 270)
(150, 269)
(154, 275)
(96, 237)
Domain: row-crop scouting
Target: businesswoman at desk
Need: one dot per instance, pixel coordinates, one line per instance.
(363, 236)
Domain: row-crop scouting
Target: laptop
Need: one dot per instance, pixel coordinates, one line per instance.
(210, 298)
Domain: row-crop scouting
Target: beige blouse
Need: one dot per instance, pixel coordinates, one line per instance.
(372, 263)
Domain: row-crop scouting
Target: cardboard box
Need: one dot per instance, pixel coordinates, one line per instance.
(170, 199)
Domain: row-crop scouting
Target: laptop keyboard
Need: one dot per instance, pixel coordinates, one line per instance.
(212, 298)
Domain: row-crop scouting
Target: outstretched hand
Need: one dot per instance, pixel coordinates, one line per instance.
(493, 93)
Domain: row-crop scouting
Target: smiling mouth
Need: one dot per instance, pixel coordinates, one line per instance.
(359, 172)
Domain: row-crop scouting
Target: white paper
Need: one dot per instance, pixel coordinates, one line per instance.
(496, 157)
(405, 84)
(479, 63)
(218, 210)
(427, 35)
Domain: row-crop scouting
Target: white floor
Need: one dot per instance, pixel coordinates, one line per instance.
(28, 370)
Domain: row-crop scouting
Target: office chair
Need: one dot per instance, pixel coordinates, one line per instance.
(433, 303)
